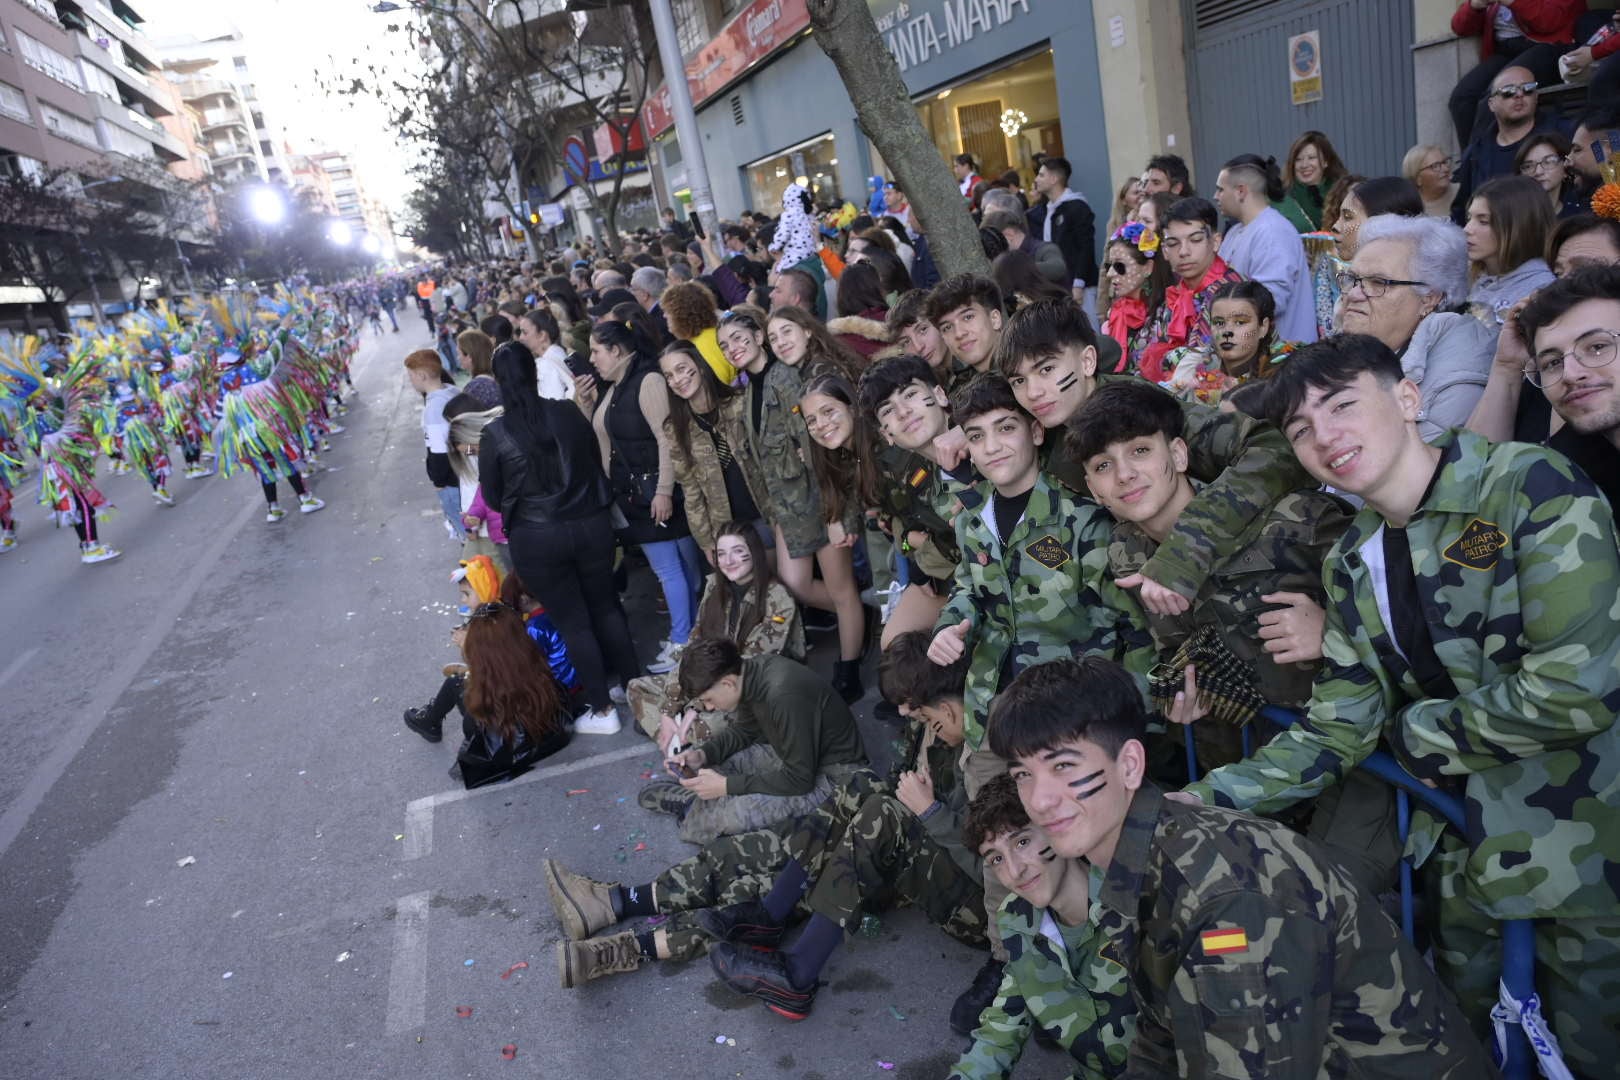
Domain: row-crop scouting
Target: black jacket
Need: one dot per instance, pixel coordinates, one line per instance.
(511, 481)
(1074, 231)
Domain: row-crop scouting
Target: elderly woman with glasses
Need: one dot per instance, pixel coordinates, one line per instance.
(1429, 168)
(1406, 274)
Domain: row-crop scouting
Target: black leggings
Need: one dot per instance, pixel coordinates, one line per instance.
(294, 481)
(86, 525)
(568, 567)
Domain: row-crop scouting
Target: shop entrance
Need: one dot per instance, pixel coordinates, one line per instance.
(813, 163)
(1002, 117)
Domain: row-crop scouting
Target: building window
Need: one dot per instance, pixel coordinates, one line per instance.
(42, 57)
(14, 103)
(689, 28)
(125, 143)
(99, 82)
(68, 126)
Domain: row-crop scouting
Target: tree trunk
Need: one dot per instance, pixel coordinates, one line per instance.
(847, 33)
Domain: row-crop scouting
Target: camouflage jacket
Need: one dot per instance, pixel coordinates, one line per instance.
(910, 491)
(1516, 561)
(1282, 552)
(775, 459)
(699, 473)
(779, 630)
(1088, 1012)
(1246, 466)
(1250, 954)
(1043, 594)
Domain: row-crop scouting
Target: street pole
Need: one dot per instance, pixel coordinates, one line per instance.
(90, 279)
(686, 129)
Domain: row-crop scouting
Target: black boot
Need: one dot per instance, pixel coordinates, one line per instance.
(847, 680)
(428, 720)
(971, 1002)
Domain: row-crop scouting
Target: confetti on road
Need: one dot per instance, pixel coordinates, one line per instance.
(641, 847)
(886, 1066)
(189, 860)
(466, 963)
(519, 966)
(227, 975)
(509, 1051)
(896, 1013)
(463, 1011)
(344, 956)
(579, 791)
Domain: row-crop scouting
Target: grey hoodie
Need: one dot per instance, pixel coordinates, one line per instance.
(1449, 357)
(1491, 297)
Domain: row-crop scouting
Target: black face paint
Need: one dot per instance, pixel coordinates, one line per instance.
(1088, 785)
(1067, 381)
(1047, 854)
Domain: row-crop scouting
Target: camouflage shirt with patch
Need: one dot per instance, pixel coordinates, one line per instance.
(1251, 954)
(1075, 993)
(1042, 594)
(910, 491)
(1516, 564)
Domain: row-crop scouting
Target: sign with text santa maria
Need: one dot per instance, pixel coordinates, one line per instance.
(756, 32)
(915, 35)
(1305, 67)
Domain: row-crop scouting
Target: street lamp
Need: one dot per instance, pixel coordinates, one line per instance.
(371, 245)
(340, 233)
(266, 205)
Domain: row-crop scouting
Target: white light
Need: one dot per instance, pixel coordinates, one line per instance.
(370, 245)
(1013, 121)
(802, 181)
(266, 205)
(340, 233)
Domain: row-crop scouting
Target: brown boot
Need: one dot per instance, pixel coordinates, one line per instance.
(583, 906)
(578, 962)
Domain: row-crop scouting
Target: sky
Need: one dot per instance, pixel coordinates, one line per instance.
(287, 42)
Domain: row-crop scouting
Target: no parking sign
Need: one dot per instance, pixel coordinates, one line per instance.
(1305, 67)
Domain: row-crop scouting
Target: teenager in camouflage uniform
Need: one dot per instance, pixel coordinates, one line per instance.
(743, 603)
(1249, 952)
(1032, 586)
(1261, 607)
(871, 844)
(1063, 977)
(1048, 352)
(1472, 624)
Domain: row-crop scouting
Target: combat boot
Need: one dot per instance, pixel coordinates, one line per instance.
(578, 962)
(583, 905)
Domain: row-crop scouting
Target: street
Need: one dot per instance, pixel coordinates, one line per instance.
(222, 854)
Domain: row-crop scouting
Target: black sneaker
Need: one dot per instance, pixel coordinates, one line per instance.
(819, 621)
(971, 1002)
(763, 975)
(665, 797)
(747, 923)
(418, 720)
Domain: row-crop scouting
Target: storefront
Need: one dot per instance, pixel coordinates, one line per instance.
(813, 163)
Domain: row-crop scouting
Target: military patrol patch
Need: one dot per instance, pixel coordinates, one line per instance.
(916, 478)
(1048, 552)
(1219, 942)
(1476, 548)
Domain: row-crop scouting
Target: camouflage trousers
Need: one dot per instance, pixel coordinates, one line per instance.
(728, 815)
(649, 699)
(1577, 971)
(861, 850)
(979, 767)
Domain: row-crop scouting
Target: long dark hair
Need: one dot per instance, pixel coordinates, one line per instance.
(847, 472)
(824, 352)
(1018, 275)
(680, 410)
(525, 415)
(1258, 297)
(509, 683)
(627, 335)
(860, 289)
(712, 616)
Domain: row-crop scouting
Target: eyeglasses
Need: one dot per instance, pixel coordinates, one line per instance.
(1373, 285)
(1116, 268)
(1593, 349)
(1541, 165)
(1515, 90)
(1446, 165)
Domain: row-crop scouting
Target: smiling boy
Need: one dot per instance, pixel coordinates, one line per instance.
(969, 311)
(1248, 952)
(1471, 626)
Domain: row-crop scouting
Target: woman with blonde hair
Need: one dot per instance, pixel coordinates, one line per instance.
(1429, 167)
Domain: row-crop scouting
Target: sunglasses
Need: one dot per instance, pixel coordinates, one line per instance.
(1514, 90)
(1117, 268)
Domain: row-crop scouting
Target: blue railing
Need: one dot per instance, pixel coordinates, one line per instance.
(1520, 1045)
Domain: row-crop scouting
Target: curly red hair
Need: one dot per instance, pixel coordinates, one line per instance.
(509, 684)
(689, 308)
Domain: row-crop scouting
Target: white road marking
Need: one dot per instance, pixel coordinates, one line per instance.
(419, 812)
(407, 975)
(17, 665)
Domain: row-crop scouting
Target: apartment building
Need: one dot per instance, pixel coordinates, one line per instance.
(216, 79)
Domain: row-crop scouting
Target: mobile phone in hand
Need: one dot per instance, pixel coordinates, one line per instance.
(681, 769)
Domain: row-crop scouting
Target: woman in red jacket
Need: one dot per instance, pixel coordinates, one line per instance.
(1529, 33)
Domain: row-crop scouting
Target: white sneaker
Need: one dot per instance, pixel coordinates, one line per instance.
(8, 539)
(161, 494)
(334, 429)
(308, 504)
(667, 659)
(275, 513)
(94, 553)
(605, 722)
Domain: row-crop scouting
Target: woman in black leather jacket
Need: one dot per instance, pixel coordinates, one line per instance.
(540, 464)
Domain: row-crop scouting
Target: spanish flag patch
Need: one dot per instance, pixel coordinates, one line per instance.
(918, 477)
(1219, 942)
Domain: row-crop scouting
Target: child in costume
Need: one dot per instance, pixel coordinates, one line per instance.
(134, 433)
(10, 475)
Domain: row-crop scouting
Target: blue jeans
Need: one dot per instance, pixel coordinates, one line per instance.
(450, 499)
(679, 566)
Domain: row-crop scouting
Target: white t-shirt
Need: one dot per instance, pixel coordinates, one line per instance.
(435, 428)
(556, 382)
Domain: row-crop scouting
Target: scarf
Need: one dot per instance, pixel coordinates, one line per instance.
(1183, 302)
(1125, 314)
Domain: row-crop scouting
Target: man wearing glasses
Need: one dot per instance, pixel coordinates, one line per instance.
(1572, 331)
(1512, 99)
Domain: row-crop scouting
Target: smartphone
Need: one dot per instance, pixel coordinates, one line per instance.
(681, 769)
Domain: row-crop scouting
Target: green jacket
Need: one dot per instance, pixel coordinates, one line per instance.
(1088, 1012)
(1516, 561)
(1246, 466)
(796, 713)
(698, 472)
(910, 491)
(1042, 595)
(775, 458)
(1251, 954)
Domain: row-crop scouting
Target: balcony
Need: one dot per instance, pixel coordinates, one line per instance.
(153, 132)
(224, 156)
(510, 16)
(195, 89)
(220, 120)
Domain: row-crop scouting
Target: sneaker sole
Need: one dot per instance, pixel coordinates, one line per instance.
(568, 912)
(789, 1004)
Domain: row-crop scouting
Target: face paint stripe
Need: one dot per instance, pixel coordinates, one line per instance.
(1067, 381)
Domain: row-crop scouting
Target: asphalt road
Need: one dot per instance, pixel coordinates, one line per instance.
(222, 855)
